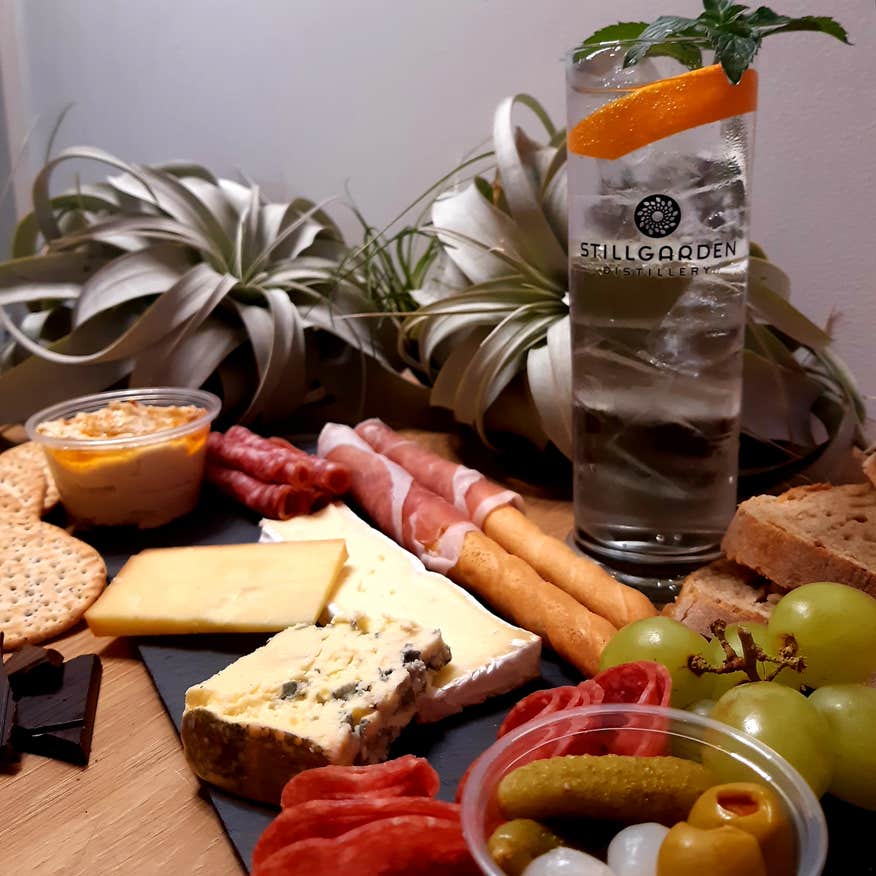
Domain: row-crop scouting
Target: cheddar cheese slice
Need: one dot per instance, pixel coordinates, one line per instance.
(245, 588)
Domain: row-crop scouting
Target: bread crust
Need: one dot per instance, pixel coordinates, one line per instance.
(723, 590)
(789, 559)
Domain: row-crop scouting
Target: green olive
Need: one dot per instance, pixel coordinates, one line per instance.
(515, 844)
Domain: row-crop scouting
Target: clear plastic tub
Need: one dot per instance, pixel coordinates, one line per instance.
(143, 480)
(733, 755)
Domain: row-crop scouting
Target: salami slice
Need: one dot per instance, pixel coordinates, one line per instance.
(277, 501)
(406, 776)
(466, 489)
(413, 515)
(397, 846)
(640, 683)
(332, 477)
(330, 818)
(272, 466)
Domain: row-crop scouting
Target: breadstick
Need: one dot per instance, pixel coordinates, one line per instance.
(517, 592)
(556, 562)
(495, 510)
(448, 542)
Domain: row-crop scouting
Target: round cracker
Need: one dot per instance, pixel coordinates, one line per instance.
(27, 462)
(48, 579)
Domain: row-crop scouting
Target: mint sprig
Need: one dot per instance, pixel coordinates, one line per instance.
(732, 30)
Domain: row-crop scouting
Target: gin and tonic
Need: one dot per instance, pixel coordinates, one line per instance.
(659, 170)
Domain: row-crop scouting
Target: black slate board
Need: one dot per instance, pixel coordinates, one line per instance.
(177, 662)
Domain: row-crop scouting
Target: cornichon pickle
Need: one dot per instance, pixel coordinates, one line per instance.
(515, 844)
(613, 786)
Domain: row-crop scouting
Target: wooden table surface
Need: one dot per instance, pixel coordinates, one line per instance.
(135, 809)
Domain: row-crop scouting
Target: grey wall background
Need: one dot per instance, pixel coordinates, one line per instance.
(386, 95)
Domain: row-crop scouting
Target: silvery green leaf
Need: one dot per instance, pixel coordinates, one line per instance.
(152, 227)
(781, 408)
(191, 360)
(769, 305)
(762, 340)
(216, 200)
(283, 382)
(259, 327)
(536, 241)
(37, 382)
(762, 270)
(549, 374)
(465, 216)
(27, 232)
(57, 275)
(286, 234)
(169, 311)
(498, 358)
(135, 275)
(554, 202)
(444, 281)
(446, 385)
(42, 201)
(184, 170)
(184, 206)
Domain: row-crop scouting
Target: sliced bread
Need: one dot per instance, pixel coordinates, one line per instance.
(812, 533)
(723, 590)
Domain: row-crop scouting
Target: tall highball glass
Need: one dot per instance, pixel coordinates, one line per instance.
(659, 183)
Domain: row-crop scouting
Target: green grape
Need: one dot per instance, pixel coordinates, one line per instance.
(835, 629)
(850, 710)
(665, 641)
(787, 722)
(702, 707)
(761, 635)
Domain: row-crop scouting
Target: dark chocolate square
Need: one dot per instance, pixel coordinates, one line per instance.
(60, 724)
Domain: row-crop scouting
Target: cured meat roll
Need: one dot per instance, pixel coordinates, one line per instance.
(497, 512)
(278, 501)
(446, 541)
(268, 465)
(466, 489)
(330, 476)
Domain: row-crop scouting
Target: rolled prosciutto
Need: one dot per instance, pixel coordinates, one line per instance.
(412, 514)
(464, 488)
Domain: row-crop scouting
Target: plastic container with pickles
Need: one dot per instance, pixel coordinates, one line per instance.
(128, 457)
(740, 808)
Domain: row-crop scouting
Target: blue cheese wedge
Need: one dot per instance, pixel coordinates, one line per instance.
(382, 580)
(311, 696)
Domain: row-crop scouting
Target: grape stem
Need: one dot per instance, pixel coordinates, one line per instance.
(751, 655)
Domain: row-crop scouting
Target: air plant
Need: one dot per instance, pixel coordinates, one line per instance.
(170, 275)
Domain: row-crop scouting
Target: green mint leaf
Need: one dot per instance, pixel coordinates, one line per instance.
(763, 16)
(687, 53)
(664, 27)
(817, 23)
(735, 53)
(623, 31)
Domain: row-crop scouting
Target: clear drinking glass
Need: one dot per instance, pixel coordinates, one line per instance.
(658, 224)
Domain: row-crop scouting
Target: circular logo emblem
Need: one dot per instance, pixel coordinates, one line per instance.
(657, 215)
